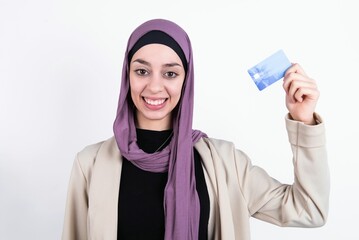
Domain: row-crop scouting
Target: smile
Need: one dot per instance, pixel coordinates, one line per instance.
(155, 102)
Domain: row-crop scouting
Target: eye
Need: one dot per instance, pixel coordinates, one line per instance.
(141, 72)
(171, 74)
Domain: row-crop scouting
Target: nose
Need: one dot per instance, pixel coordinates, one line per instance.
(155, 83)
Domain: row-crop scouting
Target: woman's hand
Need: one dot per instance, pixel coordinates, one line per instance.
(301, 94)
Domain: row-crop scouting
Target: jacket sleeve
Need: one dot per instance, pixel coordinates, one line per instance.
(75, 223)
(303, 203)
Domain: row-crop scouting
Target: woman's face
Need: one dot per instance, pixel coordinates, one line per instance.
(156, 78)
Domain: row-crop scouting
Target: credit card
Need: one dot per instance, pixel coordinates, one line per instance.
(269, 70)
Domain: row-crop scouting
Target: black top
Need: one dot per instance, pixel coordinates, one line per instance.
(140, 205)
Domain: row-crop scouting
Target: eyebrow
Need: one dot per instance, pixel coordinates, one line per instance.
(141, 61)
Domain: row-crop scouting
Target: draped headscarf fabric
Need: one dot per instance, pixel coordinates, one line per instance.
(181, 202)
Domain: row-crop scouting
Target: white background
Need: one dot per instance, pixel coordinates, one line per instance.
(60, 67)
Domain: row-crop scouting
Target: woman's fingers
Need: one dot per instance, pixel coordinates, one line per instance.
(297, 89)
(295, 68)
(301, 94)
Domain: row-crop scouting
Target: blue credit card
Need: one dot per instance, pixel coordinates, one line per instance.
(269, 70)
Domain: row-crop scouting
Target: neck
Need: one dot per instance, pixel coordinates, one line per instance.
(155, 125)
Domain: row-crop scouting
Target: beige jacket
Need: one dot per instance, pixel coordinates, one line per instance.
(237, 189)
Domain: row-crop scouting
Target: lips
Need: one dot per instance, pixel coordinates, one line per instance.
(155, 102)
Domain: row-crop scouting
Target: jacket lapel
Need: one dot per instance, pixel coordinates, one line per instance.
(103, 192)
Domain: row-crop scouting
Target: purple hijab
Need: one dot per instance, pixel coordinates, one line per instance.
(181, 202)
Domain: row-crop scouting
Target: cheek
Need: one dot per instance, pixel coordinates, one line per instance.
(135, 87)
(135, 94)
(176, 90)
(180, 87)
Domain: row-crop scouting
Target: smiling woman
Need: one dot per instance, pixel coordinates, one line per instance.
(157, 178)
(156, 79)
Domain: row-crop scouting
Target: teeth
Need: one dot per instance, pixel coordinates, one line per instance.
(155, 102)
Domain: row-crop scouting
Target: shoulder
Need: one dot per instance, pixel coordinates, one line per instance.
(222, 154)
(207, 142)
(219, 145)
(86, 158)
(223, 162)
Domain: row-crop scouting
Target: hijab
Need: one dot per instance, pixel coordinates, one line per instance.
(181, 202)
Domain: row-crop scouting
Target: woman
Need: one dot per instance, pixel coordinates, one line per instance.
(159, 179)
